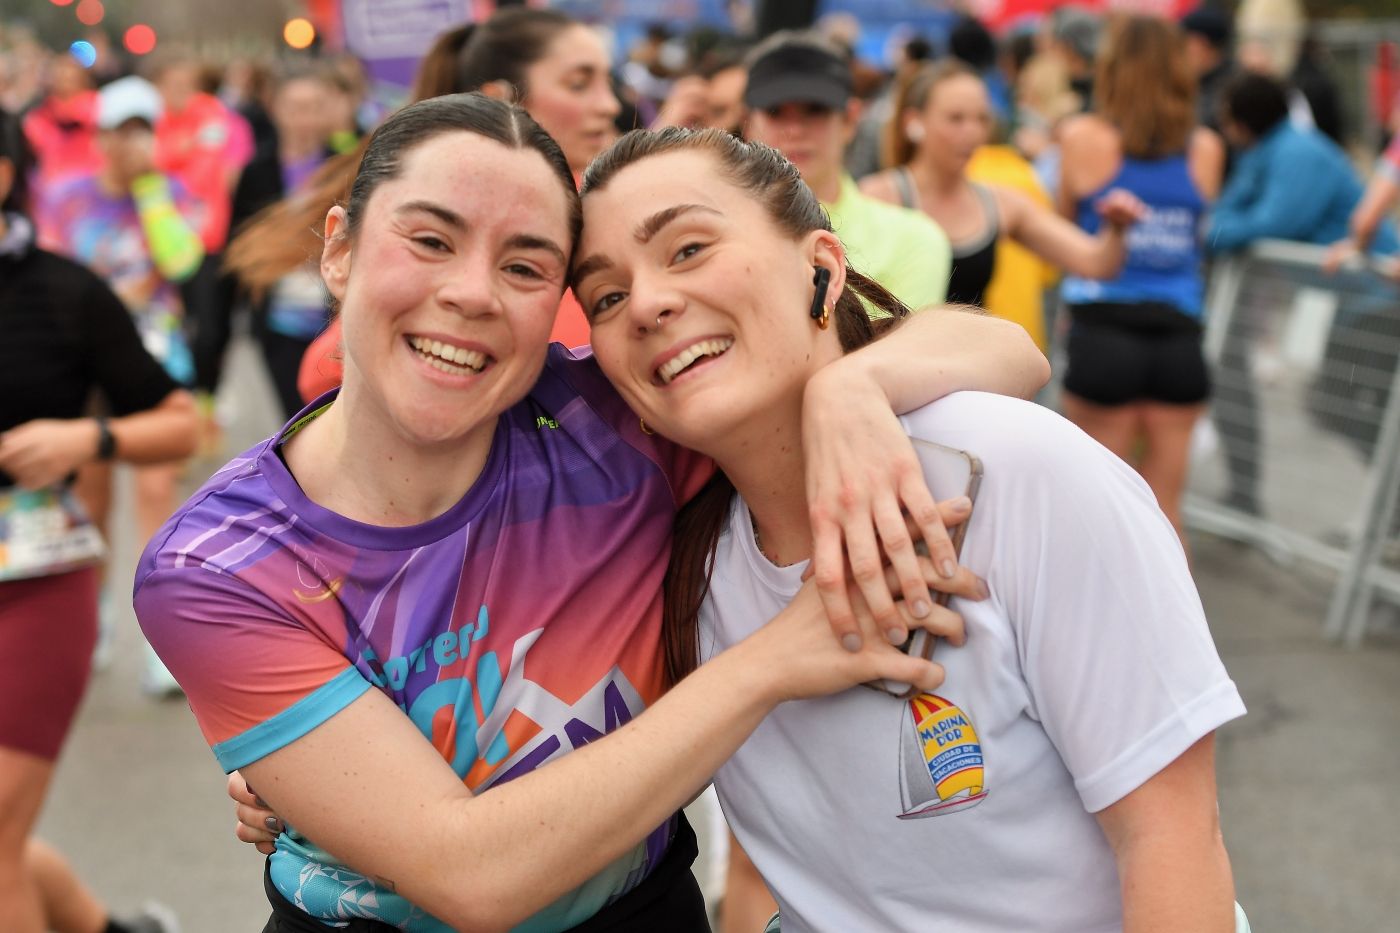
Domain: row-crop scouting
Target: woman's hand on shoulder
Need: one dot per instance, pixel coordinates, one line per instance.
(257, 824)
(868, 502)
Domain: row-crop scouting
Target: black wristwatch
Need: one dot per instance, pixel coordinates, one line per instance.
(106, 440)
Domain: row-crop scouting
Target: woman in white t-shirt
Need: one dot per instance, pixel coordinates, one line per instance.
(1062, 778)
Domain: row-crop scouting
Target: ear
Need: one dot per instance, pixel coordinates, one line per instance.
(500, 90)
(913, 128)
(824, 249)
(335, 253)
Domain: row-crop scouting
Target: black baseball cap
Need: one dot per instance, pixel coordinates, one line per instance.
(798, 72)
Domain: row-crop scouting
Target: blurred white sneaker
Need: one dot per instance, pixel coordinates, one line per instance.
(106, 632)
(157, 682)
(154, 917)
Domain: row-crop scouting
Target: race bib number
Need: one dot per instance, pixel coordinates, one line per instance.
(45, 532)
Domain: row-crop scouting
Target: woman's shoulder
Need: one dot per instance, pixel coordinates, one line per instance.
(881, 186)
(1007, 434)
(1088, 131)
(1091, 152)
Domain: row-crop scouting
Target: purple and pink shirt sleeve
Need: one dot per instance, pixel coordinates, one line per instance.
(519, 625)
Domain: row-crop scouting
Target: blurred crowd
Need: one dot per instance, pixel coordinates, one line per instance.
(1079, 161)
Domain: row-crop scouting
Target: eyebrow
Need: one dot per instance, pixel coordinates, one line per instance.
(529, 241)
(451, 218)
(654, 224)
(595, 263)
(644, 233)
(457, 222)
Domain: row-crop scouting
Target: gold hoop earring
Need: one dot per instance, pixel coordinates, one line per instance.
(645, 429)
(824, 321)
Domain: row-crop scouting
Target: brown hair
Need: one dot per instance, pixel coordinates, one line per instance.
(1143, 86)
(287, 234)
(504, 47)
(775, 183)
(913, 93)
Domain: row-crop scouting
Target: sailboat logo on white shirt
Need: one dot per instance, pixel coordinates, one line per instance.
(940, 759)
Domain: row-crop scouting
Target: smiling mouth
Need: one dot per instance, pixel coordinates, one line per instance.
(455, 361)
(692, 355)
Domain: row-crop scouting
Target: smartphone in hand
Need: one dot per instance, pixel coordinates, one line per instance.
(950, 473)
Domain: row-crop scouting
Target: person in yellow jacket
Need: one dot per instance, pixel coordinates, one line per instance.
(1020, 278)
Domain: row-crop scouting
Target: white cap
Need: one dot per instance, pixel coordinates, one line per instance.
(127, 99)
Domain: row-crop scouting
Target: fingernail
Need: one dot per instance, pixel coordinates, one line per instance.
(851, 642)
(921, 609)
(961, 504)
(948, 569)
(897, 636)
(273, 824)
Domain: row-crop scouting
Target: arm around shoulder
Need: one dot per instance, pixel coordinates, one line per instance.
(939, 351)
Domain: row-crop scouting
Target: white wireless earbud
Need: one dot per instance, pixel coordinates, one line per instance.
(915, 132)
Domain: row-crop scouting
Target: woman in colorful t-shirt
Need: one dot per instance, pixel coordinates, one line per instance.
(466, 544)
(1062, 776)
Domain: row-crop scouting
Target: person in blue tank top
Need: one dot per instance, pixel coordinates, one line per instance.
(1136, 377)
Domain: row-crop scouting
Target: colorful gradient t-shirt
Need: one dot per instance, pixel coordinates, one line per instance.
(519, 625)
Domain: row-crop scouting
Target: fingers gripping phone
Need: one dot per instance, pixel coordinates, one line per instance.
(950, 473)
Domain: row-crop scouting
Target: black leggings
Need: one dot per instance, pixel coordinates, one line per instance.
(669, 899)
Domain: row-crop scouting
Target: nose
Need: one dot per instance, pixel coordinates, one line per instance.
(651, 304)
(470, 288)
(606, 101)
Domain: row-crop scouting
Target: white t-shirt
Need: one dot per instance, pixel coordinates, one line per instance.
(1089, 669)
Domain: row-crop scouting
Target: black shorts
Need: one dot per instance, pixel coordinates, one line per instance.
(669, 899)
(1135, 353)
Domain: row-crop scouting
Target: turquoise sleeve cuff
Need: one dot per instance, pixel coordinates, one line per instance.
(293, 722)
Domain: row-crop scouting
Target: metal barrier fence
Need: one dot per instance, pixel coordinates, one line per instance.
(1302, 453)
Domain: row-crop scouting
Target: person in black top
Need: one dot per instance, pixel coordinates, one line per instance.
(65, 335)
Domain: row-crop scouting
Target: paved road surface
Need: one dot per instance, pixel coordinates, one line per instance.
(1309, 781)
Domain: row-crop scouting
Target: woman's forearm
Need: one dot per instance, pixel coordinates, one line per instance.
(365, 786)
(167, 432)
(1380, 196)
(950, 349)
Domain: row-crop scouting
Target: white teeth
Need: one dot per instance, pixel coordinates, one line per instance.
(448, 358)
(676, 364)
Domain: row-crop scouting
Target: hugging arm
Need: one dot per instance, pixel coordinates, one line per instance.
(365, 785)
(862, 474)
